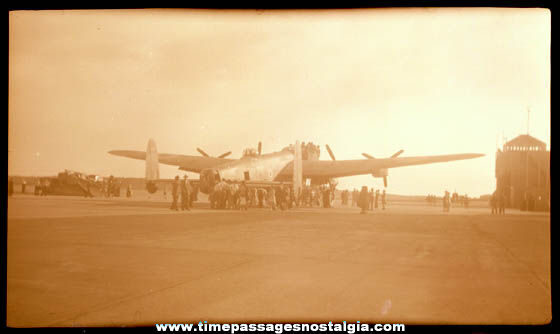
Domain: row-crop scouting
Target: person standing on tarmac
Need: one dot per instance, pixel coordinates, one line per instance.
(363, 200)
(260, 197)
(184, 194)
(280, 197)
(371, 199)
(291, 198)
(377, 198)
(384, 199)
(175, 193)
(243, 196)
(501, 204)
(494, 203)
(271, 198)
(110, 187)
(45, 188)
(446, 202)
(37, 190)
(286, 196)
(193, 193)
(251, 200)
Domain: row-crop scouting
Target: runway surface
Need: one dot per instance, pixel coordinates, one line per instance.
(101, 262)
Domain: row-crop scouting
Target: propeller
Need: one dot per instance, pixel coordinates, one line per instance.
(224, 154)
(206, 154)
(392, 157)
(371, 157)
(367, 156)
(330, 153)
(202, 152)
(397, 154)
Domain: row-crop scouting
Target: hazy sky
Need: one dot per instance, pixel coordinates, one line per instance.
(429, 81)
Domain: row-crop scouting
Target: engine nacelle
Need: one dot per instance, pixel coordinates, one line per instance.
(383, 172)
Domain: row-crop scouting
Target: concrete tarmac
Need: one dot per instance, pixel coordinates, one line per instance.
(115, 262)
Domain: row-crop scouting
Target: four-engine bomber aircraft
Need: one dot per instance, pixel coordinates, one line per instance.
(285, 166)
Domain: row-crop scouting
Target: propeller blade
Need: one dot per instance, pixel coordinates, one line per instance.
(367, 156)
(397, 154)
(202, 152)
(225, 154)
(385, 181)
(260, 148)
(330, 152)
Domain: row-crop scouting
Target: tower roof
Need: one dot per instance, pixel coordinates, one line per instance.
(526, 141)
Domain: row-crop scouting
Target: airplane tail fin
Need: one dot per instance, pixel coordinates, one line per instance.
(152, 161)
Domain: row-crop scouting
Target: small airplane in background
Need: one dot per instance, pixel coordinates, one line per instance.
(286, 166)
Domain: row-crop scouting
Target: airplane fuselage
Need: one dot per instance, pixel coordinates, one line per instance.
(264, 167)
(261, 167)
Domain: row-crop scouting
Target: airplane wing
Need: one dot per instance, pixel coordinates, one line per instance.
(341, 168)
(190, 163)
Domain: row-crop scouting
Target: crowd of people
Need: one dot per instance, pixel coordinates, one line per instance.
(232, 195)
(41, 187)
(449, 200)
(109, 188)
(431, 199)
(239, 196)
(364, 199)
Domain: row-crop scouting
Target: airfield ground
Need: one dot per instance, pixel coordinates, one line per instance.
(100, 262)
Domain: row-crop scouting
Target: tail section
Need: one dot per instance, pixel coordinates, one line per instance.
(152, 161)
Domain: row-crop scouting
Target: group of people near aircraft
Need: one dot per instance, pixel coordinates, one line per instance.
(183, 193)
(370, 199)
(110, 187)
(227, 195)
(239, 196)
(316, 195)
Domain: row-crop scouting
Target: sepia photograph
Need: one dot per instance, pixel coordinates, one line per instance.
(279, 170)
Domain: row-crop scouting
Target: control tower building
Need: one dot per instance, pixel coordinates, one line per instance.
(523, 174)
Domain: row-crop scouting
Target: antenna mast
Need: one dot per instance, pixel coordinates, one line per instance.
(528, 118)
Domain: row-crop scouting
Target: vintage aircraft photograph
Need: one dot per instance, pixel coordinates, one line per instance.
(285, 166)
(372, 166)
